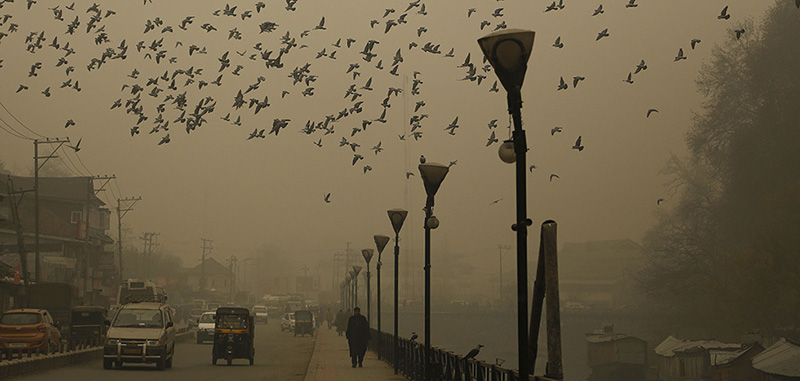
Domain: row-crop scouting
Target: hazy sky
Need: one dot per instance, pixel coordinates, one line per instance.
(242, 193)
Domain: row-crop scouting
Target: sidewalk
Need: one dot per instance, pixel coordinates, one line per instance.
(331, 361)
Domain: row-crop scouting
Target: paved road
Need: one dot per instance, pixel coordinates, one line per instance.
(279, 356)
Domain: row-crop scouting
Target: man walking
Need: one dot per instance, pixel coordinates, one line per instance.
(329, 317)
(340, 322)
(357, 336)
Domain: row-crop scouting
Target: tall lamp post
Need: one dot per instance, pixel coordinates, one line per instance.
(356, 270)
(348, 291)
(397, 217)
(508, 52)
(367, 254)
(380, 243)
(432, 176)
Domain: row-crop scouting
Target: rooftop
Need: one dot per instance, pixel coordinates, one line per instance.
(782, 358)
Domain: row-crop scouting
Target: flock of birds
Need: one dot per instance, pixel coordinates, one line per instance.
(181, 89)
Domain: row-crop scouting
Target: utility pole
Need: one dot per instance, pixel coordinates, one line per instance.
(500, 248)
(231, 267)
(147, 251)
(23, 260)
(206, 246)
(36, 167)
(130, 202)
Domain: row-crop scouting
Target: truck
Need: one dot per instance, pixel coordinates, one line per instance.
(57, 298)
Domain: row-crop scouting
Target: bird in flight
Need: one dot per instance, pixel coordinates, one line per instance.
(164, 140)
(495, 202)
(422, 159)
(629, 80)
(659, 201)
(650, 111)
(531, 168)
(69, 123)
(739, 33)
(640, 67)
(631, 4)
(409, 174)
(603, 33)
(554, 130)
(562, 85)
(553, 175)
(598, 11)
(724, 14)
(492, 139)
(558, 43)
(76, 147)
(578, 145)
(327, 198)
(696, 41)
(577, 79)
(680, 55)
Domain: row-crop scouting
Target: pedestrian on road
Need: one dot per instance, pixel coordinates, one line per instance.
(329, 317)
(357, 336)
(341, 321)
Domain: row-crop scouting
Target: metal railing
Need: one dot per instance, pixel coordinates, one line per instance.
(445, 365)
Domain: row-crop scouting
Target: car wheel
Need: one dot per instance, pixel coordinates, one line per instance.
(108, 363)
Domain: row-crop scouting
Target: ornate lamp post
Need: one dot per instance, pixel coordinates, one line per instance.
(397, 217)
(356, 270)
(367, 254)
(508, 52)
(380, 243)
(432, 176)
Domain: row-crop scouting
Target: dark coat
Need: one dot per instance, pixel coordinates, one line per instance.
(341, 321)
(358, 334)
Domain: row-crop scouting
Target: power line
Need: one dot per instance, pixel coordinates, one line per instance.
(18, 121)
(15, 133)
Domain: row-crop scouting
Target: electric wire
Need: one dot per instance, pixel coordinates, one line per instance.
(13, 131)
(20, 123)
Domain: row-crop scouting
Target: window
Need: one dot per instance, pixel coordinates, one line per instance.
(77, 216)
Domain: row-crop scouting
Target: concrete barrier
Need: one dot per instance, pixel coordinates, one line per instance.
(26, 365)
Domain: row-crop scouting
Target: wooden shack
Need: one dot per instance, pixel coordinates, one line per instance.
(616, 357)
(680, 360)
(735, 365)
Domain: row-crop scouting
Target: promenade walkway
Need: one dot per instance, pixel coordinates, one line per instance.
(331, 361)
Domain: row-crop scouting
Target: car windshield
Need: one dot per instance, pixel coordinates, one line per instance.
(21, 319)
(131, 318)
(207, 318)
(260, 309)
(232, 321)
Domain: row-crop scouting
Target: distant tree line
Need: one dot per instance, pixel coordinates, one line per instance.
(726, 256)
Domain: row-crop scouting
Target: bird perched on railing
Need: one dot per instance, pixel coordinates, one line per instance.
(474, 352)
(413, 336)
(499, 362)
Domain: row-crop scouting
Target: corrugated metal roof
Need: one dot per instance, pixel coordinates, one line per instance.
(782, 358)
(670, 346)
(601, 338)
(724, 356)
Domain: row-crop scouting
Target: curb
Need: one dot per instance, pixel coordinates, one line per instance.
(313, 362)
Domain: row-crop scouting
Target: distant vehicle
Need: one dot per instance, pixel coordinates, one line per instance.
(294, 305)
(87, 325)
(140, 291)
(287, 322)
(140, 333)
(194, 315)
(303, 323)
(198, 303)
(28, 329)
(205, 327)
(213, 306)
(260, 313)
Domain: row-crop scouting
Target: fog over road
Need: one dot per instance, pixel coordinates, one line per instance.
(279, 356)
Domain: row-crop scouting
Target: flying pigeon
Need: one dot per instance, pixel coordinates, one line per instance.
(724, 14)
(578, 145)
(650, 111)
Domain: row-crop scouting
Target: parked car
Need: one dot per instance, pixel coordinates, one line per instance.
(140, 333)
(28, 328)
(287, 322)
(260, 313)
(194, 315)
(205, 327)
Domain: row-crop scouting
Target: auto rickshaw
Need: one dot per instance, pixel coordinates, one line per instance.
(303, 323)
(233, 335)
(87, 326)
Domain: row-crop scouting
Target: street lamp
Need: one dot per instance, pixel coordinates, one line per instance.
(397, 217)
(380, 243)
(508, 52)
(432, 176)
(367, 254)
(356, 270)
